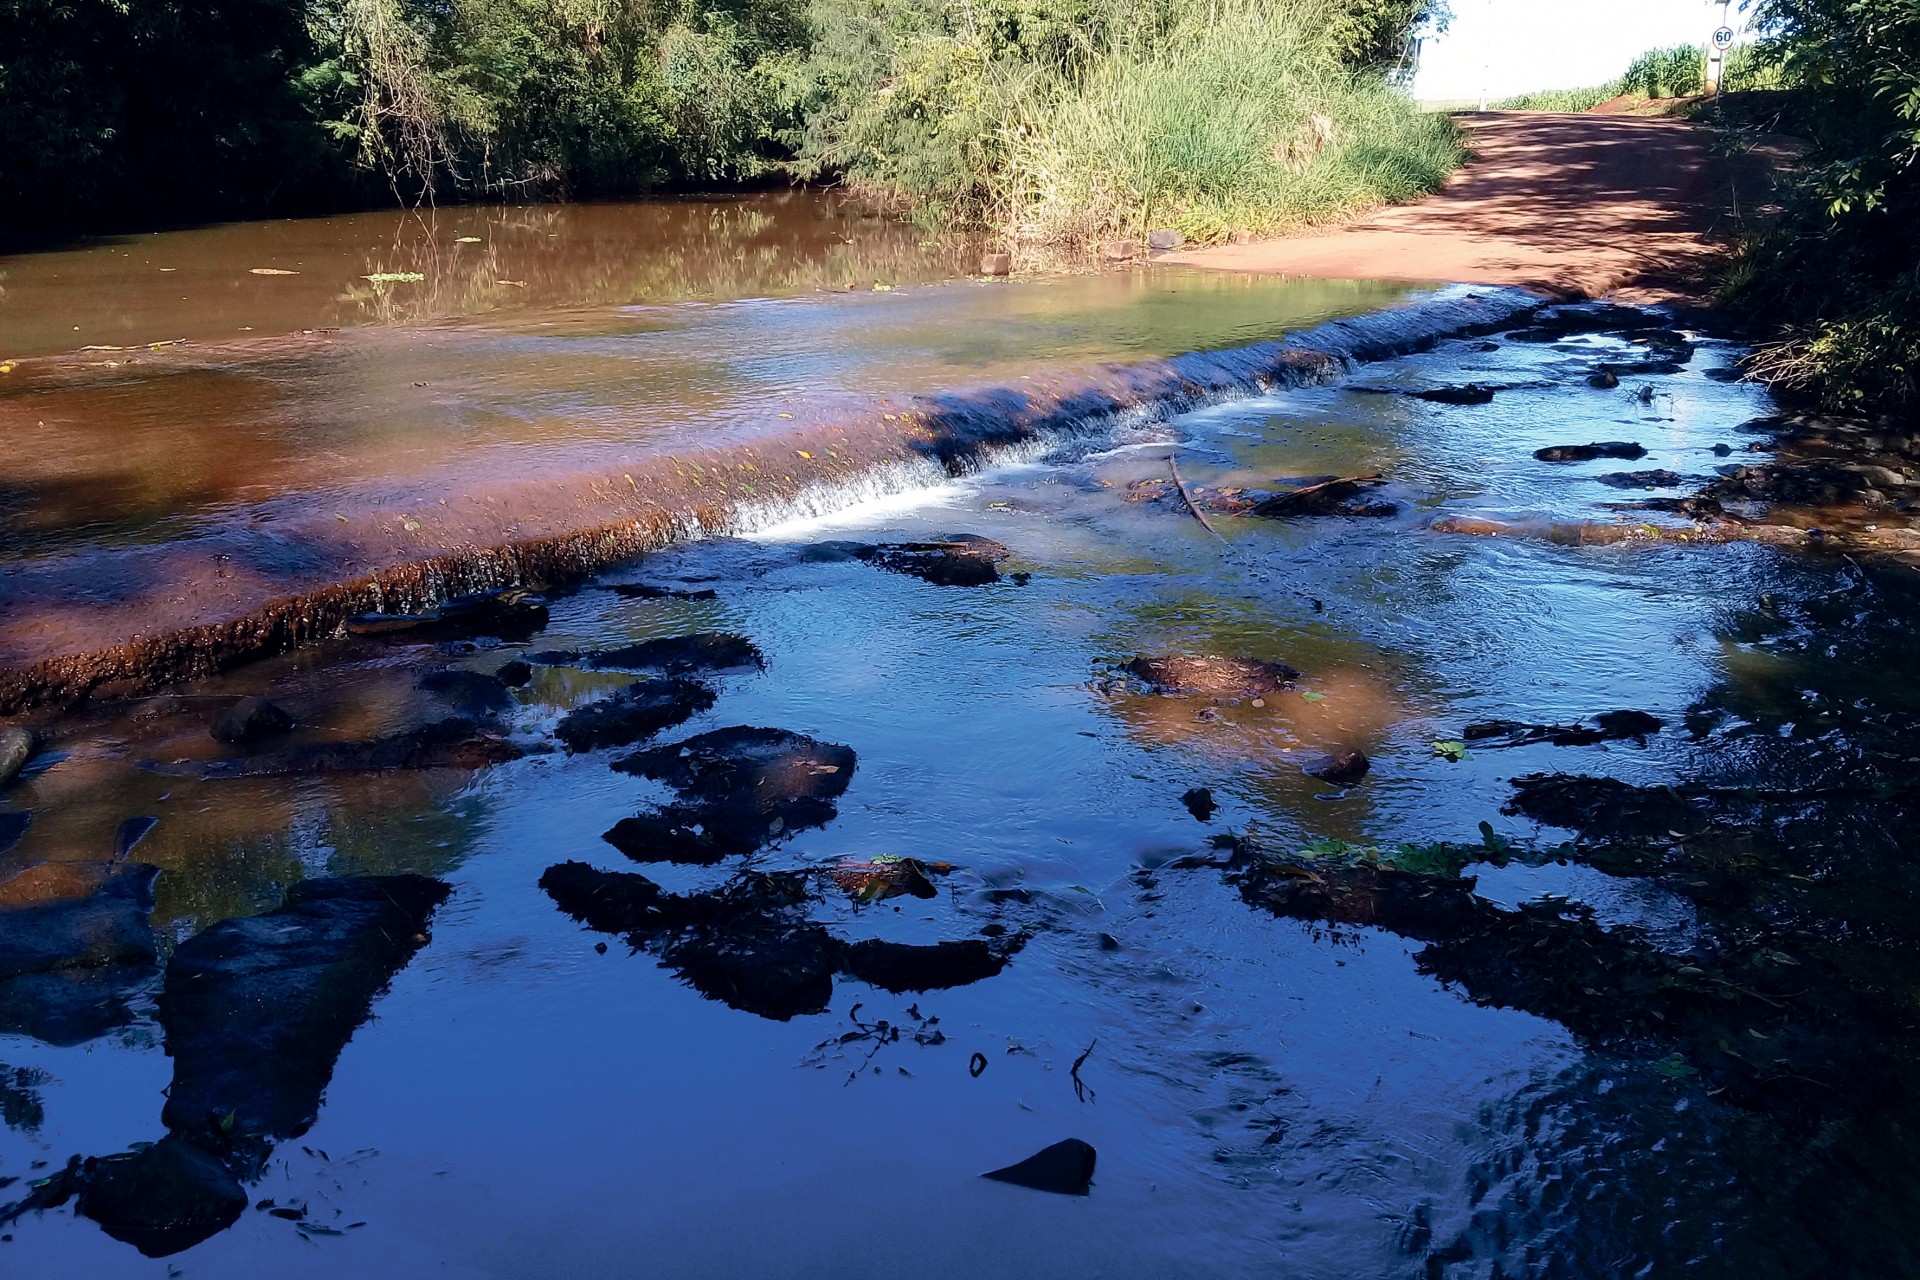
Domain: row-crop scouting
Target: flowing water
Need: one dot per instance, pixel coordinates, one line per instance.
(1268, 1093)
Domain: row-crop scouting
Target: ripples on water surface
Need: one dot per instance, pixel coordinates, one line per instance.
(1270, 1097)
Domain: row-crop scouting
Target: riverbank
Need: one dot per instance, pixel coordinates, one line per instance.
(1574, 205)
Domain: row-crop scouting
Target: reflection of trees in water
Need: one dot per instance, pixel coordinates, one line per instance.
(660, 251)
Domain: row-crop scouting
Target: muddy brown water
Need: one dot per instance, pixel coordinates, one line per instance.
(1268, 1093)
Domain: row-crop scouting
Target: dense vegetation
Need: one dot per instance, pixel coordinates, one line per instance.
(1839, 273)
(1047, 119)
(1676, 72)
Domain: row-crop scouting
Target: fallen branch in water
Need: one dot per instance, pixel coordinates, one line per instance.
(1174, 466)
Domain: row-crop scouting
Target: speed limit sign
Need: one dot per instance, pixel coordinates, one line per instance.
(1723, 38)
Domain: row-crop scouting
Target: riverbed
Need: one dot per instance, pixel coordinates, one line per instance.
(1271, 1086)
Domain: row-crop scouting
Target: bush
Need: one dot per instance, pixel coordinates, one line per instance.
(1240, 114)
(1838, 274)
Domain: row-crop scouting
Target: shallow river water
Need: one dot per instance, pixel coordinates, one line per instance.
(1268, 1094)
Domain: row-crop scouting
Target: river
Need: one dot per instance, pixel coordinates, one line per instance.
(1585, 1061)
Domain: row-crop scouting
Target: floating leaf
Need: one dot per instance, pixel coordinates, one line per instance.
(1451, 749)
(1314, 697)
(270, 271)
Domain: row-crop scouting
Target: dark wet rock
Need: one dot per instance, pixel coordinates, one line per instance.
(1604, 378)
(901, 966)
(455, 743)
(750, 944)
(1605, 808)
(637, 711)
(110, 927)
(1469, 393)
(609, 901)
(647, 591)
(515, 674)
(70, 1006)
(512, 614)
(1813, 482)
(17, 746)
(1328, 496)
(964, 560)
(1598, 317)
(676, 833)
(747, 944)
(13, 827)
(1199, 802)
(776, 968)
(1628, 724)
(1692, 506)
(1588, 452)
(739, 789)
(1214, 677)
(1722, 450)
(162, 1199)
(1608, 726)
(131, 832)
(1065, 1168)
(1657, 479)
(1343, 768)
(250, 720)
(669, 655)
(257, 1010)
(472, 694)
(1631, 368)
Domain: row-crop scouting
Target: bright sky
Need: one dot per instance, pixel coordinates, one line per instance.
(1504, 47)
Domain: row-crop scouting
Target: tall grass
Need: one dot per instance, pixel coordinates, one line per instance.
(1243, 123)
(1210, 116)
(1676, 72)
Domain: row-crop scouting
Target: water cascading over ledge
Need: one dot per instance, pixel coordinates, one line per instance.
(119, 620)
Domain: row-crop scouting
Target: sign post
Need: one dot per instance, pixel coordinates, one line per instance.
(1717, 46)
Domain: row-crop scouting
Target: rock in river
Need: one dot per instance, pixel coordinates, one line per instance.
(669, 655)
(637, 711)
(1065, 1168)
(964, 560)
(257, 1010)
(750, 944)
(740, 788)
(1215, 677)
(1588, 452)
(109, 927)
(1343, 768)
(249, 720)
(164, 1198)
(17, 746)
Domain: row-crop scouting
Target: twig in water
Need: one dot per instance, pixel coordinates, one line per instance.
(1174, 466)
(1081, 1089)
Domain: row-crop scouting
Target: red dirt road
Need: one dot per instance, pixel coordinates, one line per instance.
(1574, 204)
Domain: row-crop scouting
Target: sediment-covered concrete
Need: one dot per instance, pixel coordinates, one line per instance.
(120, 620)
